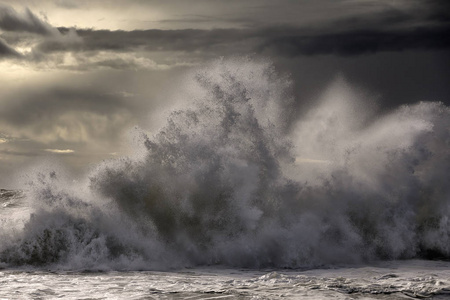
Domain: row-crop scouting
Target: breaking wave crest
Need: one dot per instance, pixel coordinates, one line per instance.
(236, 178)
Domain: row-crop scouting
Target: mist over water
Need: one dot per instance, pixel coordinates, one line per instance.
(237, 177)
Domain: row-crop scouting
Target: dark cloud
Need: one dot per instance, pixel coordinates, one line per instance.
(388, 30)
(68, 41)
(439, 10)
(393, 78)
(27, 30)
(11, 20)
(284, 41)
(358, 42)
(14, 38)
(7, 51)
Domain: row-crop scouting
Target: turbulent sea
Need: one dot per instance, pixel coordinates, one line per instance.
(240, 196)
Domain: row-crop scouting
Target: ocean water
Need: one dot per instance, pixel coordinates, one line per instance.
(240, 195)
(407, 279)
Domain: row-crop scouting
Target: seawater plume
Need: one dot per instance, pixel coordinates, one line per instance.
(235, 177)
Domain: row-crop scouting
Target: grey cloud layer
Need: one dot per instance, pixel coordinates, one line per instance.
(45, 105)
(67, 115)
(281, 41)
(358, 42)
(11, 20)
(386, 30)
(276, 41)
(27, 29)
(78, 109)
(7, 51)
(390, 30)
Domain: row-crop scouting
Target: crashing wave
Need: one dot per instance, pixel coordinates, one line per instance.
(233, 178)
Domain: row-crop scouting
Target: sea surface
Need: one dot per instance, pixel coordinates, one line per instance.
(239, 195)
(409, 279)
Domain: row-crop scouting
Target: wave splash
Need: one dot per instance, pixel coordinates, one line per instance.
(234, 179)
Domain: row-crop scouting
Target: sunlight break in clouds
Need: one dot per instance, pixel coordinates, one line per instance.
(60, 151)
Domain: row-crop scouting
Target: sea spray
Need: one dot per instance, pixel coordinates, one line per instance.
(233, 178)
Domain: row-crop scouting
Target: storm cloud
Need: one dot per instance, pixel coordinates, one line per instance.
(274, 41)
(11, 20)
(7, 51)
(357, 42)
(386, 30)
(78, 75)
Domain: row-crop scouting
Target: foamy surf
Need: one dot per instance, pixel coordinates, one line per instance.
(411, 279)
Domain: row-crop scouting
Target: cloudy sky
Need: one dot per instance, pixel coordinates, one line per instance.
(77, 75)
